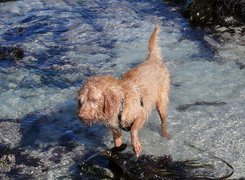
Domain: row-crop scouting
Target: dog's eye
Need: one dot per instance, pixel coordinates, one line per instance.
(80, 103)
(93, 100)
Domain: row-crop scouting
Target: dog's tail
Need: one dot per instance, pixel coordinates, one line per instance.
(154, 52)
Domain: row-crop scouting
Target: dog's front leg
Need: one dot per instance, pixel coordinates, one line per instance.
(117, 136)
(137, 125)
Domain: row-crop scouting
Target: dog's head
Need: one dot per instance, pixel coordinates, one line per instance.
(99, 100)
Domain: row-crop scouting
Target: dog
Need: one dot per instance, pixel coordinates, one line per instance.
(125, 103)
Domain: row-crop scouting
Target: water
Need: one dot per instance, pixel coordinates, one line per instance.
(67, 41)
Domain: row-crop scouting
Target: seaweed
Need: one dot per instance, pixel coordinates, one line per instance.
(149, 166)
(185, 107)
(16, 156)
(11, 53)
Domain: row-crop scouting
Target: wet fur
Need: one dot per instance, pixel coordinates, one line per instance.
(102, 98)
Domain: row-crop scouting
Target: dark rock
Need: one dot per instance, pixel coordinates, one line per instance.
(216, 12)
(6, 0)
(241, 65)
(200, 12)
(177, 1)
(11, 53)
(25, 159)
(243, 31)
(230, 12)
(14, 163)
(20, 30)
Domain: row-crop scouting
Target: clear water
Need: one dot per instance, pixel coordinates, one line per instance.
(67, 41)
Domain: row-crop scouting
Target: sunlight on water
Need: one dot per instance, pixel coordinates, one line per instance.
(66, 42)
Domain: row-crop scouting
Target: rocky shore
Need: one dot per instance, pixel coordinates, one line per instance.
(223, 22)
(215, 12)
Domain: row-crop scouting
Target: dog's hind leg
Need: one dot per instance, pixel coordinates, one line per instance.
(162, 107)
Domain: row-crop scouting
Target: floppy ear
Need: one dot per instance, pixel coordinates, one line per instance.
(111, 104)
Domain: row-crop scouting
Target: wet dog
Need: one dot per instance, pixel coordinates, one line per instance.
(125, 103)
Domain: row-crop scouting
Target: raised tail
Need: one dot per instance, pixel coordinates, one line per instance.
(153, 48)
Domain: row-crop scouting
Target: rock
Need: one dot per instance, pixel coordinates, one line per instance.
(200, 12)
(176, 1)
(10, 134)
(16, 163)
(216, 12)
(6, 0)
(230, 12)
(11, 53)
(7, 161)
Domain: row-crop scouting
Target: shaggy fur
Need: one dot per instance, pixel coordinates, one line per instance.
(128, 101)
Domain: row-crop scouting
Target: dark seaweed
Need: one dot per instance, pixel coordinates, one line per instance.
(148, 166)
(11, 53)
(200, 103)
(20, 158)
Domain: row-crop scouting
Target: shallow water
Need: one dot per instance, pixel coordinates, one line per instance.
(67, 41)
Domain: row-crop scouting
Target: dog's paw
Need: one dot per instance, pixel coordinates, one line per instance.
(137, 148)
(166, 135)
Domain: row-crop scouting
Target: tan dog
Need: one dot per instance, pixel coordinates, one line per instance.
(127, 102)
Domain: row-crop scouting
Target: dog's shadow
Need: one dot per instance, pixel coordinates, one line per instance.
(58, 126)
(56, 136)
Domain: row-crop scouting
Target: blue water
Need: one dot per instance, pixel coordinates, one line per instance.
(65, 42)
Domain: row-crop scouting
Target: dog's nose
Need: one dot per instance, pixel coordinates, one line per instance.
(81, 115)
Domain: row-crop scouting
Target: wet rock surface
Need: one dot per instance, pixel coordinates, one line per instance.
(16, 163)
(216, 12)
(224, 24)
(229, 42)
(6, 0)
(10, 135)
(45, 162)
(176, 1)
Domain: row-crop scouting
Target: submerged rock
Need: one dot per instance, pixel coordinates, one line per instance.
(17, 163)
(176, 1)
(216, 12)
(6, 0)
(11, 53)
(10, 134)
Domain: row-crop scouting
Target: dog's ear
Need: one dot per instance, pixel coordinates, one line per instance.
(111, 104)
